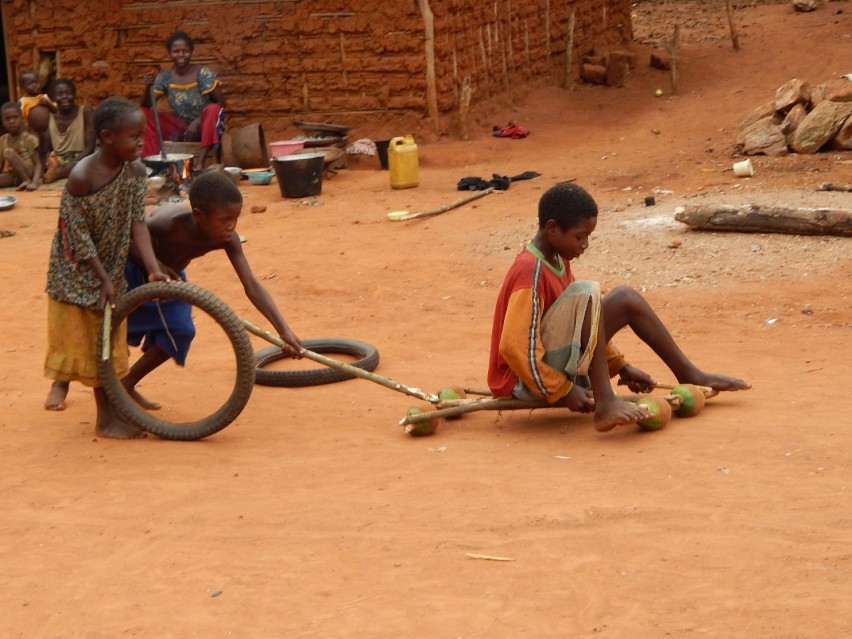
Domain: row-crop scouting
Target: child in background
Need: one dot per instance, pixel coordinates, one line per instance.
(101, 212)
(180, 234)
(33, 96)
(551, 332)
(19, 151)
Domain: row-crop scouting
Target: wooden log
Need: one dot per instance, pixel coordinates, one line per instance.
(754, 218)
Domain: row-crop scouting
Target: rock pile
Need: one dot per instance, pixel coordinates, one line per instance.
(800, 119)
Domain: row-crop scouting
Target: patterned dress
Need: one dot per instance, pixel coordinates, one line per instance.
(96, 225)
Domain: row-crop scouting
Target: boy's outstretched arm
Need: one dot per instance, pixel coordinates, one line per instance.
(145, 251)
(259, 296)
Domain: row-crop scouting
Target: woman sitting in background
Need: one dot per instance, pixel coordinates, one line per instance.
(195, 98)
(70, 133)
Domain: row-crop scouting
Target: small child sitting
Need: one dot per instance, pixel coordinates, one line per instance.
(19, 151)
(35, 119)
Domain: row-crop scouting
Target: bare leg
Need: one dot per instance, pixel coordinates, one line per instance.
(62, 171)
(151, 359)
(624, 306)
(609, 410)
(202, 158)
(56, 396)
(52, 164)
(110, 424)
(20, 170)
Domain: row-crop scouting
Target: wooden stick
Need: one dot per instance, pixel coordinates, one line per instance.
(673, 57)
(341, 366)
(735, 40)
(569, 52)
(708, 392)
(477, 391)
(474, 555)
(547, 30)
(429, 46)
(474, 406)
(445, 207)
(107, 333)
(453, 407)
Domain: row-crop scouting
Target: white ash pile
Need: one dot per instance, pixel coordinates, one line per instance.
(800, 119)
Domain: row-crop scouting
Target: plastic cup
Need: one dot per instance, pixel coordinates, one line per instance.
(743, 169)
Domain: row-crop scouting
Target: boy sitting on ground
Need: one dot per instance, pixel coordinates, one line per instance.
(18, 151)
(179, 234)
(550, 337)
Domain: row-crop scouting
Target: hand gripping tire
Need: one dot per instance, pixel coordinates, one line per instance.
(368, 359)
(230, 323)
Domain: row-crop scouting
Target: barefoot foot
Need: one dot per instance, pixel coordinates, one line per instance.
(717, 382)
(618, 413)
(56, 396)
(139, 399)
(117, 428)
(50, 172)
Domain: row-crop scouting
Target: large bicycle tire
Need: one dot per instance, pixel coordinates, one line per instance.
(368, 359)
(227, 320)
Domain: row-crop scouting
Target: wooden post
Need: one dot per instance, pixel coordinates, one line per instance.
(569, 52)
(429, 46)
(547, 30)
(502, 43)
(673, 56)
(464, 106)
(735, 40)
(508, 37)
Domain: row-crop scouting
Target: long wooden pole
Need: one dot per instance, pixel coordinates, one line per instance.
(735, 39)
(674, 57)
(569, 52)
(445, 207)
(341, 366)
(429, 46)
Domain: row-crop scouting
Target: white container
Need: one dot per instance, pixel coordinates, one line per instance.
(235, 173)
(743, 169)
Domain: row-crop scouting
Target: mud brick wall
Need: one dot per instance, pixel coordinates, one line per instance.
(319, 60)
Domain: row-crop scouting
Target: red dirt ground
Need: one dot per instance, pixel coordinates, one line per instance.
(314, 515)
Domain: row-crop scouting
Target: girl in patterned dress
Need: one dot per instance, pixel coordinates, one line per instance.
(101, 212)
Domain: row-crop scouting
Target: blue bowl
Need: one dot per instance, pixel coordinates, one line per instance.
(260, 178)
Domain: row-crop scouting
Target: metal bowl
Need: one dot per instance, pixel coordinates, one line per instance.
(7, 202)
(180, 162)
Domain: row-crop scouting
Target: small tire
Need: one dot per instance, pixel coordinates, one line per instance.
(368, 360)
(227, 320)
